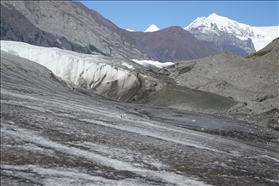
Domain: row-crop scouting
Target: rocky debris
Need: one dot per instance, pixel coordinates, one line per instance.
(252, 82)
(264, 98)
(270, 53)
(269, 118)
(51, 134)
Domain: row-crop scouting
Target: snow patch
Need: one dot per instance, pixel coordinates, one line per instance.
(148, 63)
(152, 28)
(58, 41)
(130, 30)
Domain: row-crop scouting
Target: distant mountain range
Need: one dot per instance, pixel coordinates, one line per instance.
(222, 33)
(72, 26)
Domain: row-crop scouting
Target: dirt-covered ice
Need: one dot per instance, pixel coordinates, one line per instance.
(54, 134)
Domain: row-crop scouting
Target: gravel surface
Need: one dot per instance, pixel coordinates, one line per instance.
(252, 82)
(54, 134)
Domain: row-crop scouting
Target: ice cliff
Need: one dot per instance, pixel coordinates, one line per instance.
(111, 77)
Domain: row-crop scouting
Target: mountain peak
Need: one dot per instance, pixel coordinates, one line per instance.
(219, 20)
(216, 18)
(213, 15)
(152, 28)
(216, 24)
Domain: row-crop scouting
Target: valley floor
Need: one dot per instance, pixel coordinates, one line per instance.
(54, 135)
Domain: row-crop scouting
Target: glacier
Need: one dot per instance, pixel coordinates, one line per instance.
(118, 79)
(54, 135)
(103, 75)
(264, 35)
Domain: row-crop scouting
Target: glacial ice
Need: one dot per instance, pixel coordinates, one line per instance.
(87, 71)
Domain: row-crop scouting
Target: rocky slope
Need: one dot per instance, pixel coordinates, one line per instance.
(83, 30)
(76, 23)
(270, 53)
(253, 82)
(174, 44)
(16, 27)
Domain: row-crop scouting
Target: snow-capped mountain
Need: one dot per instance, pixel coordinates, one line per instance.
(215, 23)
(152, 28)
(220, 30)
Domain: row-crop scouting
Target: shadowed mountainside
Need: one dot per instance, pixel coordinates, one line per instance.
(16, 27)
(174, 43)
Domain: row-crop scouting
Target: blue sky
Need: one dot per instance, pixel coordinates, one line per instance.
(139, 15)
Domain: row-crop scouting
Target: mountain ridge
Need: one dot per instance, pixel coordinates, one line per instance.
(226, 34)
(175, 43)
(88, 29)
(15, 26)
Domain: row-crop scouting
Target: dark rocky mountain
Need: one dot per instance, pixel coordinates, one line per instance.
(227, 43)
(72, 26)
(174, 44)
